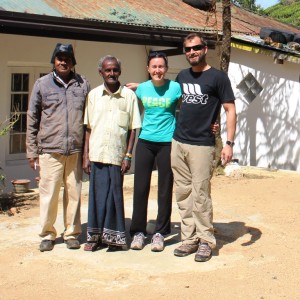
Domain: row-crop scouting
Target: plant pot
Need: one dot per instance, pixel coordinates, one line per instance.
(20, 185)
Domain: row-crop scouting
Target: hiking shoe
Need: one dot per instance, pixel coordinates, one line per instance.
(185, 249)
(204, 253)
(157, 243)
(138, 242)
(72, 244)
(46, 245)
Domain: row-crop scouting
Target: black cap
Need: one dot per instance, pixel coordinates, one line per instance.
(67, 49)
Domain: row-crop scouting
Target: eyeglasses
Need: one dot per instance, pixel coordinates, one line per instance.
(195, 48)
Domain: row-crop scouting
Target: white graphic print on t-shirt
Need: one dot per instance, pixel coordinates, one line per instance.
(192, 94)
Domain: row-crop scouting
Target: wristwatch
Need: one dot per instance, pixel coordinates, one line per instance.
(229, 143)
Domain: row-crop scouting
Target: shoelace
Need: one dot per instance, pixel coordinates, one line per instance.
(139, 238)
(204, 249)
(157, 239)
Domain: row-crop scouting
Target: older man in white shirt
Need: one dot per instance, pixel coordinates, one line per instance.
(111, 118)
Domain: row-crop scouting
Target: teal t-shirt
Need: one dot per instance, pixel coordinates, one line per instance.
(159, 110)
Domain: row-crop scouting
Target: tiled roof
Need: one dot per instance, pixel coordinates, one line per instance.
(160, 23)
(169, 14)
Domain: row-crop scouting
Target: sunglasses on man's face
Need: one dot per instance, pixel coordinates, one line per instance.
(195, 48)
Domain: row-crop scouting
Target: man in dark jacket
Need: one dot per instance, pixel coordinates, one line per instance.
(54, 142)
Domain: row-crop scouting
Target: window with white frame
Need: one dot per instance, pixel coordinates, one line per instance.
(19, 103)
(21, 83)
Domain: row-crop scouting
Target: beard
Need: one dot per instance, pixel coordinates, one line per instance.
(196, 60)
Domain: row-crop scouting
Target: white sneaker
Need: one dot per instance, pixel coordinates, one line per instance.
(157, 243)
(138, 242)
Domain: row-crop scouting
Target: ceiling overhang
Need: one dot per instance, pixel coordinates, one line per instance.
(94, 30)
(266, 50)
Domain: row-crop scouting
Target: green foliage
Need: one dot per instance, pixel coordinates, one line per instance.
(5, 127)
(248, 4)
(287, 11)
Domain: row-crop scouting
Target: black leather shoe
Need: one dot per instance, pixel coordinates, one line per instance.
(46, 245)
(72, 244)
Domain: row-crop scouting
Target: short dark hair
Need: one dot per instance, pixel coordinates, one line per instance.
(156, 54)
(192, 35)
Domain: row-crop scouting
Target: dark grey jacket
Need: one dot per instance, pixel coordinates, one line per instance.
(55, 116)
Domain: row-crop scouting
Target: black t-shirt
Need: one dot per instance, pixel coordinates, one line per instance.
(202, 96)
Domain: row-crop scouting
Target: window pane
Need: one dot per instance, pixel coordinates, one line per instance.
(17, 126)
(24, 103)
(16, 82)
(15, 143)
(23, 144)
(16, 100)
(19, 102)
(25, 85)
(20, 82)
(23, 123)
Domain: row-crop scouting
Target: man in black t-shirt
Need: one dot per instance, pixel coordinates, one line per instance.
(205, 89)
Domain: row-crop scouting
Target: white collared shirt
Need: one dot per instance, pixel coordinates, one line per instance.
(110, 116)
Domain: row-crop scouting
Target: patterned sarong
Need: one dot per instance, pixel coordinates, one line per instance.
(106, 219)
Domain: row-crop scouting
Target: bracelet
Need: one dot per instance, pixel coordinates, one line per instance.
(127, 158)
(128, 155)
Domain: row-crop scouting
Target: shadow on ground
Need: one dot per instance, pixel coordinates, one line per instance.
(227, 233)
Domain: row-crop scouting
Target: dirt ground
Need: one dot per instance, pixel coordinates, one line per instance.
(256, 216)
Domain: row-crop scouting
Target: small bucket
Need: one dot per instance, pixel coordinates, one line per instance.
(20, 185)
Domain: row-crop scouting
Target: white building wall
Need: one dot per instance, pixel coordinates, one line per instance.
(19, 52)
(268, 128)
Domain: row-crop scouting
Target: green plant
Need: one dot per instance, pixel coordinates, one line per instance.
(287, 11)
(5, 127)
(8, 123)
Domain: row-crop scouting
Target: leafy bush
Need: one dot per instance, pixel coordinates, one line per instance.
(285, 12)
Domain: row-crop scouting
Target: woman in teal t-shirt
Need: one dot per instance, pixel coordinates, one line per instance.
(159, 97)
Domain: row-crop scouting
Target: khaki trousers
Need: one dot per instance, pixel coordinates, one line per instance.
(192, 168)
(56, 169)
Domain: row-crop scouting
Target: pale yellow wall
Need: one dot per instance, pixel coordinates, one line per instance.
(24, 51)
(279, 98)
